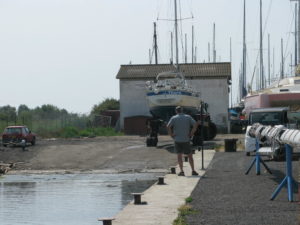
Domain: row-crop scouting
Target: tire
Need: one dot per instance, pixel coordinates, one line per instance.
(4, 145)
(33, 141)
(247, 153)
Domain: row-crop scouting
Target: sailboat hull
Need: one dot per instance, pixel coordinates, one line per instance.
(291, 100)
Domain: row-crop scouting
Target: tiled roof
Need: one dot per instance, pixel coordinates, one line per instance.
(196, 70)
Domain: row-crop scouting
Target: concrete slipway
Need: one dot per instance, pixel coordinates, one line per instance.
(163, 201)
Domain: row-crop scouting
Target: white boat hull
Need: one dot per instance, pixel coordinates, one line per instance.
(173, 98)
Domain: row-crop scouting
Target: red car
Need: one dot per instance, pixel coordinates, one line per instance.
(15, 134)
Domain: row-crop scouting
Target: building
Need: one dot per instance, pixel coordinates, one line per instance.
(210, 79)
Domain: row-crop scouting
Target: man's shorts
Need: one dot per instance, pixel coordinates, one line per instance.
(183, 148)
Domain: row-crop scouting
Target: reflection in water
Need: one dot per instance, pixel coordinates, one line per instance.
(76, 199)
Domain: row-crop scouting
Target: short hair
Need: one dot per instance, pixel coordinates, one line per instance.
(178, 109)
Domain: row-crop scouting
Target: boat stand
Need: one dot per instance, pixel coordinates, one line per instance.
(257, 160)
(288, 180)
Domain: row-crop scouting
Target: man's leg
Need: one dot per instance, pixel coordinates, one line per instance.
(191, 161)
(179, 159)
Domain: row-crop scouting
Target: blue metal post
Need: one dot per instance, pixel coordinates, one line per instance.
(257, 160)
(288, 180)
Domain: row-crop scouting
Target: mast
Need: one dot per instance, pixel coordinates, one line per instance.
(214, 43)
(155, 43)
(176, 35)
(282, 63)
(171, 59)
(244, 90)
(269, 66)
(185, 55)
(298, 30)
(193, 44)
(296, 59)
(262, 79)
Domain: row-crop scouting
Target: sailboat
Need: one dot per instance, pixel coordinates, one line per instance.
(285, 92)
(170, 89)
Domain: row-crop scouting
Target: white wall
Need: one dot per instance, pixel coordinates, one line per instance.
(133, 100)
(215, 93)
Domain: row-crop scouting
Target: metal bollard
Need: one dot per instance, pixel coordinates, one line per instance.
(161, 180)
(106, 221)
(173, 170)
(23, 144)
(186, 158)
(137, 198)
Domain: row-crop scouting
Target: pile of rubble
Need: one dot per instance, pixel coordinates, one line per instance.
(5, 167)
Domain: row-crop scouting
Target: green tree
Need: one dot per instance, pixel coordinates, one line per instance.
(23, 108)
(8, 113)
(107, 104)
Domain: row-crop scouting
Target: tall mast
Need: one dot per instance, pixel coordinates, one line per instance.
(282, 63)
(262, 78)
(244, 92)
(214, 43)
(185, 55)
(269, 66)
(155, 43)
(296, 58)
(193, 44)
(298, 30)
(171, 59)
(176, 34)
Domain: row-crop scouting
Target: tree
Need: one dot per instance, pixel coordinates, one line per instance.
(107, 104)
(22, 108)
(8, 113)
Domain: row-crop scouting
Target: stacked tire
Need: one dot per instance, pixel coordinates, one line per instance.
(151, 141)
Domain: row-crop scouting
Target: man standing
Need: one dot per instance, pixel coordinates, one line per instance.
(181, 128)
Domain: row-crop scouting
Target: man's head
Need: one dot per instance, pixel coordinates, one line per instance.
(178, 109)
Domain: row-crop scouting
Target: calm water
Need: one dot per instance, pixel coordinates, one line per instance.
(77, 199)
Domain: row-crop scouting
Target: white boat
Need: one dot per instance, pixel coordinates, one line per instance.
(170, 89)
(283, 93)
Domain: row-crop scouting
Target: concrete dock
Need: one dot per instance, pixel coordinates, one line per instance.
(161, 202)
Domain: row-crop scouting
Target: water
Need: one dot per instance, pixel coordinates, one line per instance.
(77, 199)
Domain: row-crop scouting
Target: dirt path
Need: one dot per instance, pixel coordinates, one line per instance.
(101, 153)
(111, 154)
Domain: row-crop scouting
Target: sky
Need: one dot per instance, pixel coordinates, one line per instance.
(67, 52)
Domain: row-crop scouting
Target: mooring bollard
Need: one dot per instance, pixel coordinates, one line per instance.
(161, 180)
(137, 198)
(106, 221)
(173, 170)
(186, 158)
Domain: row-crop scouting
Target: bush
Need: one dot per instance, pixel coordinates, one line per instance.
(72, 132)
(69, 132)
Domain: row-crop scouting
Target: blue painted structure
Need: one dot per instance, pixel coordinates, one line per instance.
(257, 160)
(288, 180)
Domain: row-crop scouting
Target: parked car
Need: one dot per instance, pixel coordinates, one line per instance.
(15, 134)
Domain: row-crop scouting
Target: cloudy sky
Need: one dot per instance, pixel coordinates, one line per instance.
(68, 52)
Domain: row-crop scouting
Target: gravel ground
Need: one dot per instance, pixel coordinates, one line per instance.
(226, 196)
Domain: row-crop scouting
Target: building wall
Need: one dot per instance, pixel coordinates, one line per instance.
(215, 93)
(133, 100)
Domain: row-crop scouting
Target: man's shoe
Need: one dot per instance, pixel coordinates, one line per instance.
(194, 173)
(181, 174)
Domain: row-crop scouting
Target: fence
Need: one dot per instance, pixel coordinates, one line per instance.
(48, 127)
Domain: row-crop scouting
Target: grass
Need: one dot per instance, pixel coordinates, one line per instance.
(71, 132)
(184, 210)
